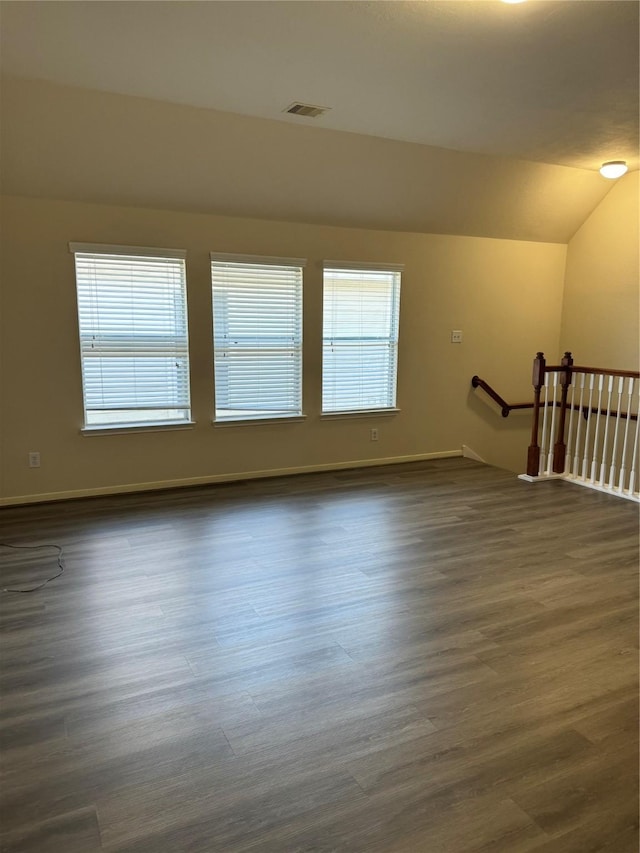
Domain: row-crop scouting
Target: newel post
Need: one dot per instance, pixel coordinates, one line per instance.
(533, 456)
(560, 447)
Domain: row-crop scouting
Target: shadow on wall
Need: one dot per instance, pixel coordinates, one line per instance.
(503, 442)
(491, 413)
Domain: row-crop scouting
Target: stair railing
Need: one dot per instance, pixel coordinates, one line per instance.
(476, 382)
(599, 449)
(584, 427)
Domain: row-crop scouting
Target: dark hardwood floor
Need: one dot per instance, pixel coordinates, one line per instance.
(427, 658)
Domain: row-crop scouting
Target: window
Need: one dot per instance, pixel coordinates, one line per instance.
(257, 332)
(132, 311)
(360, 337)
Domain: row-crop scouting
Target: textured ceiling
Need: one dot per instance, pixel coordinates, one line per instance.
(554, 82)
(461, 117)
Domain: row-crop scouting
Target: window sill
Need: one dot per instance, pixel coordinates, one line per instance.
(249, 421)
(131, 428)
(359, 413)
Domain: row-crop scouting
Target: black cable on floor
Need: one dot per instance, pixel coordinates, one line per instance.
(59, 561)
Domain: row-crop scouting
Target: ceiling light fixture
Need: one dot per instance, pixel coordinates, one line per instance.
(513, 1)
(613, 169)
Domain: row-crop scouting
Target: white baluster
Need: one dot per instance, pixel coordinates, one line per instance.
(614, 452)
(634, 461)
(594, 461)
(587, 429)
(576, 458)
(605, 440)
(543, 439)
(570, 403)
(552, 429)
(623, 471)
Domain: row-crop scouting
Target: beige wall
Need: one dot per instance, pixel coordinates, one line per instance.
(491, 289)
(601, 305)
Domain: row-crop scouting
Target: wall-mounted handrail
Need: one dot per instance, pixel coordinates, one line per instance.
(586, 411)
(476, 382)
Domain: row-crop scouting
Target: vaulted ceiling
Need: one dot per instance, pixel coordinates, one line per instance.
(458, 116)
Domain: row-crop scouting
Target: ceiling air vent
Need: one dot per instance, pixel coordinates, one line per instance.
(308, 110)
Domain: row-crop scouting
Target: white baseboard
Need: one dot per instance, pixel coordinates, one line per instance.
(577, 481)
(210, 479)
(541, 478)
(469, 453)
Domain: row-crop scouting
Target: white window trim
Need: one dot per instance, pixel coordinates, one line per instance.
(362, 265)
(258, 260)
(256, 420)
(359, 413)
(131, 428)
(131, 251)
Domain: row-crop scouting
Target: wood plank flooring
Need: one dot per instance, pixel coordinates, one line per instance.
(425, 658)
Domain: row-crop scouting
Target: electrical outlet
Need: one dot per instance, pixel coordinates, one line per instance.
(373, 434)
(34, 459)
(456, 336)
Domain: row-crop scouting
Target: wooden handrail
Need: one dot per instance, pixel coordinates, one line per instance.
(631, 374)
(598, 371)
(476, 382)
(595, 411)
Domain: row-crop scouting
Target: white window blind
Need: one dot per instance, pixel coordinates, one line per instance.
(257, 329)
(360, 337)
(132, 312)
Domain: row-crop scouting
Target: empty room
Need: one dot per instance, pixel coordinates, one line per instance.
(319, 469)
